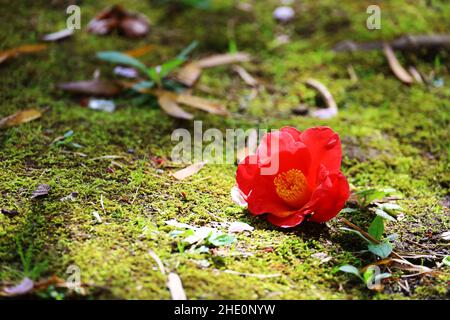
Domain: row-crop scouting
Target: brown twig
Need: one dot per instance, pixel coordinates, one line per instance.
(405, 43)
(368, 236)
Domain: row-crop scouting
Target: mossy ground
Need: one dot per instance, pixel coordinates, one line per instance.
(394, 136)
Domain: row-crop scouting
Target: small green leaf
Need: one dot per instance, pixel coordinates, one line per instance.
(169, 66)
(221, 239)
(183, 55)
(368, 274)
(384, 215)
(376, 228)
(446, 261)
(365, 197)
(356, 232)
(120, 58)
(350, 269)
(383, 250)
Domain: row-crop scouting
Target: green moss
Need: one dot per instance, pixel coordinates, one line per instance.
(393, 135)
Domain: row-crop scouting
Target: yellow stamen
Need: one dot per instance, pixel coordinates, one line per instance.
(291, 186)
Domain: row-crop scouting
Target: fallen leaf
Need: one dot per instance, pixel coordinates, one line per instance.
(134, 26)
(176, 287)
(238, 227)
(28, 48)
(92, 87)
(23, 287)
(188, 171)
(139, 52)
(247, 77)
(222, 59)
(168, 103)
(395, 65)
(57, 36)
(41, 191)
(323, 91)
(189, 74)
(116, 17)
(20, 117)
(202, 104)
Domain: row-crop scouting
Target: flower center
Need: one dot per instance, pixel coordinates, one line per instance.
(291, 186)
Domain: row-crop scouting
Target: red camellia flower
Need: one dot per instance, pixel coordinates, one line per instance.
(294, 175)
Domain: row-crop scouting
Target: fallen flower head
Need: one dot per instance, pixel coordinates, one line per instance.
(307, 181)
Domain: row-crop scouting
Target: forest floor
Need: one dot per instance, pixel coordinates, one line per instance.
(394, 136)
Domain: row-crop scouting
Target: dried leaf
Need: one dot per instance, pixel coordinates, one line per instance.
(57, 36)
(188, 171)
(134, 26)
(41, 191)
(247, 77)
(139, 52)
(238, 227)
(415, 74)
(116, 17)
(29, 48)
(168, 103)
(202, 104)
(331, 105)
(222, 59)
(395, 65)
(176, 287)
(92, 87)
(20, 117)
(189, 74)
(23, 287)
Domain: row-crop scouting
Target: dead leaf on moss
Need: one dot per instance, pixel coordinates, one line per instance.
(168, 103)
(188, 171)
(202, 104)
(141, 51)
(176, 287)
(191, 72)
(20, 117)
(331, 107)
(247, 77)
(222, 59)
(41, 191)
(131, 25)
(395, 65)
(59, 35)
(25, 49)
(25, 286)
(92, 87)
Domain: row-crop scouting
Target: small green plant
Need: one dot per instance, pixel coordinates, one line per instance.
(371, 276)
(66, 140)
(381, 247)
(157, 75)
